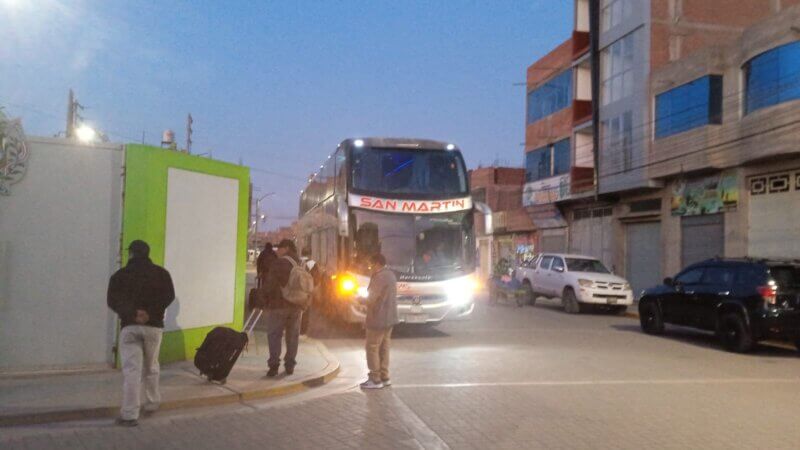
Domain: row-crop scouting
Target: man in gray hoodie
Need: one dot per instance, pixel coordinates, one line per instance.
(381, 318)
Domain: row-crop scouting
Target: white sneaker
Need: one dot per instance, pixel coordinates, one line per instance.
(386, 383)
(369, 384)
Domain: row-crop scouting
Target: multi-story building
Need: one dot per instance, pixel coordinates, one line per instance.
(725, 144)
(512, 235)
(620, 220)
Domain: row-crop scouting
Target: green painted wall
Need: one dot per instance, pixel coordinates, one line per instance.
(145, 217)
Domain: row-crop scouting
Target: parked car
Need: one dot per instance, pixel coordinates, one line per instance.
(742, 300)
(579, 281)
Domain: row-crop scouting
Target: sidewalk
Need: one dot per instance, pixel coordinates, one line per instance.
(53, 398)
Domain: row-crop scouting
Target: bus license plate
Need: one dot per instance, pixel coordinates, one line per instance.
(416, 318)
(416, 309)
(612, 301)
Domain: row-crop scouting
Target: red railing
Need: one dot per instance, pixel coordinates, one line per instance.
(581, 179)
(581, 111)
(580, 43)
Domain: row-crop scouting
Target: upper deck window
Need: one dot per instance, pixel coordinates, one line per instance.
(400, 171)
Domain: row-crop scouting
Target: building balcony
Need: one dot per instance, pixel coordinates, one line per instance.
(581, 180)
(580, 43)
(581, 111)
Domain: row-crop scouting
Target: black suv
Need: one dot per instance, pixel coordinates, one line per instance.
(742, 300)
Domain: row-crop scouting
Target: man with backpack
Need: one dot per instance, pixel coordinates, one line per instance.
(286, 293)
(139, 293)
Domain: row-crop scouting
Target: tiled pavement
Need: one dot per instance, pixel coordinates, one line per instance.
(509, 379)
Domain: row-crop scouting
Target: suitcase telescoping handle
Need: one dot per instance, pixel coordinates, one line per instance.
(251, 322)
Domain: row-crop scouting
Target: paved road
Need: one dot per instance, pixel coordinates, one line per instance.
(530, 377)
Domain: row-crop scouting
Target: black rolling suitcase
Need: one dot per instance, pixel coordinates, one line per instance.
(221, 348)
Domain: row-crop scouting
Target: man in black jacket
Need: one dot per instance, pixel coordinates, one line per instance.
(282, 315)
(139, 293)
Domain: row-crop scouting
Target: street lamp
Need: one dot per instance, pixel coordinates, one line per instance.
(85, 133)
(259, 216)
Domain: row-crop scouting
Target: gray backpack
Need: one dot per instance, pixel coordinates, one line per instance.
(300, 287)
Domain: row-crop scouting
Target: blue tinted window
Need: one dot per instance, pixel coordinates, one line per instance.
(688, 106)
(561, 157)
(552, 96)
(537, 164)
(773, 77)
(548, 161)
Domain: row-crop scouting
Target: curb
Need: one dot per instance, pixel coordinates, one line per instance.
(779, 344)
(326, 375)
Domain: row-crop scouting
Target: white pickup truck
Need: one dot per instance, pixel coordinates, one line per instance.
(578, 280)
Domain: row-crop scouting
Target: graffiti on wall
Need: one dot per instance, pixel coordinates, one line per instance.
(13, 153)
(707, 195)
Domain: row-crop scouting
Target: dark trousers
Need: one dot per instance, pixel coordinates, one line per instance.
(279, 321)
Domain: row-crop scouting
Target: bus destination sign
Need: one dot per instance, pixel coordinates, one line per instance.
(410, 206)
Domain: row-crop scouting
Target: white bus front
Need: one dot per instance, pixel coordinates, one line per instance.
(412, 206)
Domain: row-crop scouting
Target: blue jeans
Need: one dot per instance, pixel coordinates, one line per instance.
(279, 321)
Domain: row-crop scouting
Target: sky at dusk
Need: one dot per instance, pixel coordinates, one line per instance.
(278, 85)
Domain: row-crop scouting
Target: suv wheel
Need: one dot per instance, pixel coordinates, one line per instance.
(734, 334)
(571, 305)
(530, 296)
(650, 318)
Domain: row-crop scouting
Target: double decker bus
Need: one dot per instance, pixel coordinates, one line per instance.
(408, 199)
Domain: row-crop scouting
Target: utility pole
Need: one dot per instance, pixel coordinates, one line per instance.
(71, 114)
(189, 122)
(594, 42)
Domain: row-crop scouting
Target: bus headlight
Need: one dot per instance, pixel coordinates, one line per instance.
(461, 291)
(347, 285)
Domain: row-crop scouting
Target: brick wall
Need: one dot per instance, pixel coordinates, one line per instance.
(682, 27)
(548, 130)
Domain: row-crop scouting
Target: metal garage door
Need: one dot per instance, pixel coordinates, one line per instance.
(702, 237)
(643, 255)
(774, 217)
(553, 244)
(591, 234)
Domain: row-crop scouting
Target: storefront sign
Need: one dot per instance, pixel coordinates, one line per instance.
(410, 206)
(708, 195)
(546, 191)
(13, 153)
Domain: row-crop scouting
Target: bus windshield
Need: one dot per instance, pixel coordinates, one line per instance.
(401, 171)
(423, 246)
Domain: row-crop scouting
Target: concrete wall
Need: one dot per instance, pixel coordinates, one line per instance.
(60, 230)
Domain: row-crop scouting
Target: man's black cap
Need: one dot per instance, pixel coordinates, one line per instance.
(287, 243)
(139, 248)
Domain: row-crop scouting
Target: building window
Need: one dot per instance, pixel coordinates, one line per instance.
(548, 161)
(617, 70)
(688, 106)
(561, 157)
(614, 12)
(618, 140)
(552, 96)
(773, 77)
